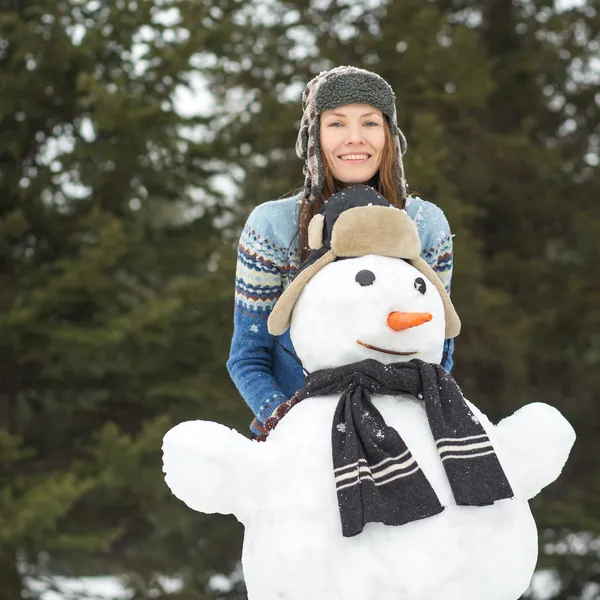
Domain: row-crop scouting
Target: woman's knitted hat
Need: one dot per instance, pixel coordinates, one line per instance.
(337, 87)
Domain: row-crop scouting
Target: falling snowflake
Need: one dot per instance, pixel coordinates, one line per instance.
(341, 427)
(254, 328)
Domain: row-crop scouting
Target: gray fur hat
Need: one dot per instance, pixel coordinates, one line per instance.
(333, 88)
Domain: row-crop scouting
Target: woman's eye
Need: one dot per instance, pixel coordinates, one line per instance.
(372, 123)
(365, 277)
(335, 124)
(420, 285)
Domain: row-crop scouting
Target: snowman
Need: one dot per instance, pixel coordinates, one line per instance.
(378, 480)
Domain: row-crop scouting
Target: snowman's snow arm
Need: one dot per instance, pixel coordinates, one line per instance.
(212, 468)
(537, 441)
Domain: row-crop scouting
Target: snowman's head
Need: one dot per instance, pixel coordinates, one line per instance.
(368, 307)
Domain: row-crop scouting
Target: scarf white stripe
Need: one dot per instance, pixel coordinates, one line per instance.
(486, 444)
(367, 477)
(368, 473)
(463, 456)
(362, 460)
(463, 439)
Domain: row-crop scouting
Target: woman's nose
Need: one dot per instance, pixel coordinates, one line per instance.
(354, 135)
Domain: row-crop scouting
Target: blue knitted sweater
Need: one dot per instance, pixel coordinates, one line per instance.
(268, 258)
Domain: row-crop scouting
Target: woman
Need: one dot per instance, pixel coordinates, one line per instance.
(348, 134)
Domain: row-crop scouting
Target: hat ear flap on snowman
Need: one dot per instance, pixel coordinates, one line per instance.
(356, 222)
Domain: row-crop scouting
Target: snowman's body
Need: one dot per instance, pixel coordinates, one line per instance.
(283, 489)
(464, 553)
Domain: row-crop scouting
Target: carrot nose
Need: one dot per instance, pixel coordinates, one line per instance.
(399, 321)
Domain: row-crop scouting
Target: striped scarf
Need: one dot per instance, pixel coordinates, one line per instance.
(377, 479)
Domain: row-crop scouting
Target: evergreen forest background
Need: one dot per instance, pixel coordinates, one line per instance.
(136, 136)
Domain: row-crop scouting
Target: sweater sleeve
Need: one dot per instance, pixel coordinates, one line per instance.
(258, 285)
(438, 249)
(438, 253)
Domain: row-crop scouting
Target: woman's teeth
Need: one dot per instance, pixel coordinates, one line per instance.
(354, 157)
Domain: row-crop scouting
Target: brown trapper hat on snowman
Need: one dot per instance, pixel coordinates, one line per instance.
(356, 222)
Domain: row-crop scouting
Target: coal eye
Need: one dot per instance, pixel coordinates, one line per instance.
(365, 277)
(420, 285)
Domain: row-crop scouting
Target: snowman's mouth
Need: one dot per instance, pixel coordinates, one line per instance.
(395, 352)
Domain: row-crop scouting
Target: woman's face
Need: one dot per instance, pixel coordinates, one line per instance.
(352, 141)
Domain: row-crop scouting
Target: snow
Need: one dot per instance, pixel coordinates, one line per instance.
(114, 588)
(544, 586)
(92, 588)
(563, 5)
(419, 216)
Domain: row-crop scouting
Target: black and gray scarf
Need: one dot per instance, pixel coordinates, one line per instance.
(377, 479)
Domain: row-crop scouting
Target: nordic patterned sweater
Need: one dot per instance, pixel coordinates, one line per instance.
(268, 258)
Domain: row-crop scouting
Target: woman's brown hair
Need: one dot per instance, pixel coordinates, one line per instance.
(384, 182)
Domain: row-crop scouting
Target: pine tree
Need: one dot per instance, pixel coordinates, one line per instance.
(115, 293)
(544, 103)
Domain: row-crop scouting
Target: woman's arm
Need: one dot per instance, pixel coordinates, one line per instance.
(438, 253)
(257, 286)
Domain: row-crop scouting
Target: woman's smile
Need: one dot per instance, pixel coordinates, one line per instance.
(355, 157)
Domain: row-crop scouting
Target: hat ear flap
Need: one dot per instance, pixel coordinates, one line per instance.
(302, 142)
(397, 132)
(403, 144)
(315, 232)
